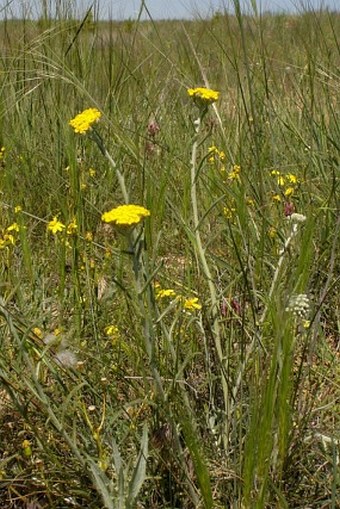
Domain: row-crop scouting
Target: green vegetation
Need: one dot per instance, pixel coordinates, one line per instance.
(184, 354)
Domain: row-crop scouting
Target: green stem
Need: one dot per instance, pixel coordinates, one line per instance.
(213, 294)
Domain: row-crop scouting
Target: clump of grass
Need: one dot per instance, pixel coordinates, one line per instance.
(169, 309)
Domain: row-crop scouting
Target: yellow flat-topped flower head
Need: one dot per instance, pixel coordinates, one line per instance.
(82, 122)
(203, 96)
(126, 215)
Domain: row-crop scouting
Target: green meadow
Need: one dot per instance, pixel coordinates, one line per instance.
(169, 262)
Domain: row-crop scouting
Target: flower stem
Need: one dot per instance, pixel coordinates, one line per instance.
(212, 289)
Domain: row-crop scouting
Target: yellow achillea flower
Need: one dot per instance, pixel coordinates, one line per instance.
(55, 226)
(203, 96)
(192, 304)
(82, 122)
(126, 215)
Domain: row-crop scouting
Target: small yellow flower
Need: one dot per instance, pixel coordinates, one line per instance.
(55, 226)
(82, 122)
(203, 95)
(289, 191)
(8, 239)
(228, 212)
(38, 332)
(235, 173)
(169, 292)
(13, 227)
(17, 209)
(72, 227)
(89, 236)
(26, 448)
(277, 198)
(111, 330)
(192, 304)
(272, 232)
(292, 179)
(92, 172)
(306, 324)
(215, 155)
(275, 173)
(281, 180)
(126, 215)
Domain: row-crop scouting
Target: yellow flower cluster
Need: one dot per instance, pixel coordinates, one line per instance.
(203, 95)
(82, 122)
(287, 182)
(112, 332)
(215, 155)
(126, 215)
(188, 304)
(234, 174)
(164, 293)
(229, 211)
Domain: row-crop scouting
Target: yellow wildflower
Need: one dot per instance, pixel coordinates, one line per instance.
(13, 227)
(205, 95)
(26, 448)
(292, 179)
(82, 122)
(92, 172)
(8, 239)
(215, 155)
(272, 232)
(235, 173)
(111, 329)
(55, 226)
(289, 191)
(229, 212)
(38, 332)
(277, 198)
(192, 304)
(126, 215)
(72, 227)
(17, 209)
(89, 236)
(169, 292)
(281, 180)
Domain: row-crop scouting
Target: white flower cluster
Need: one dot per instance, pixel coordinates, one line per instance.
(299, 305)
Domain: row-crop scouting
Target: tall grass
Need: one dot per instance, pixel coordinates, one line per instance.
(192, 361)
